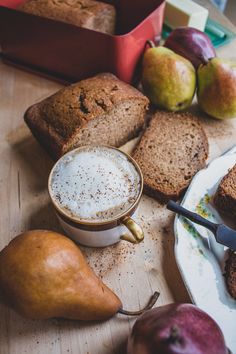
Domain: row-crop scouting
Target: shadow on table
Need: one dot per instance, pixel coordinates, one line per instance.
(33, 163)
(170, 268)
(44, 218)
(48, 334)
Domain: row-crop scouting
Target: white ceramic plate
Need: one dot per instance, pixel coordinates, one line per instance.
(200, 259)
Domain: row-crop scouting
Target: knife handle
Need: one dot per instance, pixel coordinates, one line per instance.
(171, 205)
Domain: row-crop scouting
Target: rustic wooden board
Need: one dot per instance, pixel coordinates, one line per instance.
(133, 271)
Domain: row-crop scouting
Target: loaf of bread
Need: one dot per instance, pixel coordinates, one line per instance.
(225, 197)
(99, 110)
(90, 14)
(172, 149)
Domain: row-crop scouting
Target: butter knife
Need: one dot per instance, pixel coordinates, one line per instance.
(223, 234)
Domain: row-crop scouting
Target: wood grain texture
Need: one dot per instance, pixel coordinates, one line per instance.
(134, 272)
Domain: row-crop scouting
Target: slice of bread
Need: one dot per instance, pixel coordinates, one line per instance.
(230, 274)
(225, 197)
(172, 149)
(98, 110)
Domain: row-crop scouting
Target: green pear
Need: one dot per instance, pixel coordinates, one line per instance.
(217, 88)
(168, 79)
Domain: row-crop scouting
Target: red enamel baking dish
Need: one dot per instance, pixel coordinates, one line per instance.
(69, 53)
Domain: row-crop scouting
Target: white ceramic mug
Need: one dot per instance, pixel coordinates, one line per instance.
(104, 233)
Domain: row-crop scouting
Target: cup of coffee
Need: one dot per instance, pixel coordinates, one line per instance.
(95, 190)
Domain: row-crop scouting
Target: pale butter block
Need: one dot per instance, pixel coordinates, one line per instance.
(185, 13)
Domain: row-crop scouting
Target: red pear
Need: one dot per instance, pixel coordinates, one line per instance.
(192, 44)
(176, 329)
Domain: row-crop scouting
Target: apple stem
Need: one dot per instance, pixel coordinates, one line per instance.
(150, 304)
(151, 43)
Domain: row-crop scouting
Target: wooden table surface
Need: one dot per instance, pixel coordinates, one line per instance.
(132, 271)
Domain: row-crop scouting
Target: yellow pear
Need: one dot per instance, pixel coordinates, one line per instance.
(43, 274)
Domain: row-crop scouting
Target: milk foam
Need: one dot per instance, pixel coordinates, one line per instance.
(95, 184)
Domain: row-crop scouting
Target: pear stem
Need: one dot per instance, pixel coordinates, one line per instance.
(175, 336)
(203, 59)
(150, 304)
(150, 43)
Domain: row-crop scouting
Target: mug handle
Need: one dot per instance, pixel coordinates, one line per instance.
(136, 231)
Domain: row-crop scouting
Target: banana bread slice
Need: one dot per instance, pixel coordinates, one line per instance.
(230, 274)
(172, 149)
(90, 14)
(225, 197)
(99, 110)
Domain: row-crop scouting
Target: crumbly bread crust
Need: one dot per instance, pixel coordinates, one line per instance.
(172, 149)
(230, 274)
(90, 14)
(99, 110)
(225, 197)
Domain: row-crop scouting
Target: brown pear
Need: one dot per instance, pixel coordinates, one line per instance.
(43, 274)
